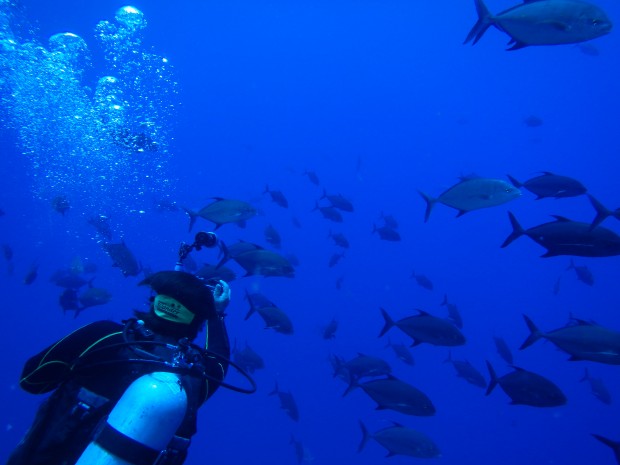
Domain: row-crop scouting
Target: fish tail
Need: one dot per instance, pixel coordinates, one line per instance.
(586, 376)
(493, 381)
(535, 333)
(449, 359)
(445, 300)
(517, 230)
(571, 266)
(225, 255)
(430, 201)
(352, 385)
(275, 390)
(388, 322)
(365, 436)
(602, 212)
(514, 182)
(192, 217)
(615, 445)
(252, 306)
(266, 191)
(485, 19)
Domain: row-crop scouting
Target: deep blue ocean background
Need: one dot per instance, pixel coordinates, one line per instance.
(380, 99)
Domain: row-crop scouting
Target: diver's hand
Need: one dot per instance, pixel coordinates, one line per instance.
(221, 295)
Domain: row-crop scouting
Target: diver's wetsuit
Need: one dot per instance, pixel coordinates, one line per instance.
(86, 391)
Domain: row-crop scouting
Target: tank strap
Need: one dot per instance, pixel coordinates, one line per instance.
(124, 447)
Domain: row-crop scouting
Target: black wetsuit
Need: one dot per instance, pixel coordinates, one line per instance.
(89, 370)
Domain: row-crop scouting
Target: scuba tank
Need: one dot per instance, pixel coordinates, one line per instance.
(142, 423)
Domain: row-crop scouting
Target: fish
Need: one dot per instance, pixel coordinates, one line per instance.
(602, 212)
(273, 236)
(389, 221)
(464, 369)
(503, 350)
(532, 121)
(583, 273)
(68, 279)
(92, 297)
(339, 239)
(265, 263)
(7, 251)
(453, 312)
(208, 272)
(338, 201)
(543, 22)
(422, 281)
(287, 402)
(335, 259)
(32, 274)
(61, 204)
(277, 197)
(232, 251)
(312, 176)
(122, 258)
(614, 445)
(567, 237)
(247, 358)
(394, 394)
(556, 286)
(473, 193)
(400, 440)
(68, 300)
(425, 328)
(329, 213)
(339, 282)
(402, 352)
(386, 233)
(273, 316)
(102, 225)
(549, 185)
(329, 331)
(359, 367)
(588, 49)
(582, 340)
(222, 211)
(301, 452)
(598, 388)
(527, 388)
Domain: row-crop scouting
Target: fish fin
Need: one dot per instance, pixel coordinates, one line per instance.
(415, 343)
(561, 219)
(514, 182)
(515, 45)
(192, 217)
(602, 212)
(422, 312)
(549, 253)
(535, 333)
(430, 202)
(485, 19)
(493, 381)
(275, 390)
(461, 213)
(615, 445)
(388, 322)
(517, 230)
(365, 436)
(586, 376)
(574, 358)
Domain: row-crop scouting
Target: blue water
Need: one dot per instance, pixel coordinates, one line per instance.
(380, 99)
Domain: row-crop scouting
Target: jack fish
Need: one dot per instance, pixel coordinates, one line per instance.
(543, 22)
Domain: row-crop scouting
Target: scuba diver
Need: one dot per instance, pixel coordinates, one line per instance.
(128, 393)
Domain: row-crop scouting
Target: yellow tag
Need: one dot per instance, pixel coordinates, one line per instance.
(172, 310)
